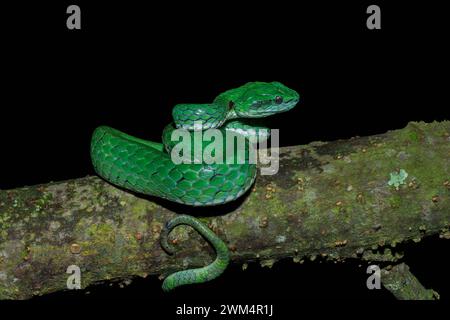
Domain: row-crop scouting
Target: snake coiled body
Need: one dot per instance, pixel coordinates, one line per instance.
(147, 167)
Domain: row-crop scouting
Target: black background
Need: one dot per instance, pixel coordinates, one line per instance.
(131, 63)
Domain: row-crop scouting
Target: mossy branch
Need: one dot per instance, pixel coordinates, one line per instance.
(404, 285)
(329, 199)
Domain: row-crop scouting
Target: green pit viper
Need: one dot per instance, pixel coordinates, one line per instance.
(146, 167)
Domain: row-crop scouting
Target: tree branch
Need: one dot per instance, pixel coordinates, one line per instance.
(404, 285)
(329, 199)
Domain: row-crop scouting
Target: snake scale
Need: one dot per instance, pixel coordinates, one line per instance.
(146, 167)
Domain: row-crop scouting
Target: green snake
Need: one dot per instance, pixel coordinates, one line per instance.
(146, 167)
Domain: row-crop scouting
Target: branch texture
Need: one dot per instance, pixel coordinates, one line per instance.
(404, 285)
(329, 199)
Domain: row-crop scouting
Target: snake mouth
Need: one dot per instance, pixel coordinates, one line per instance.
(290, 103)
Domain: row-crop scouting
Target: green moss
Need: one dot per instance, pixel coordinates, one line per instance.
(395, 201)
(238, 229)
(413, 136)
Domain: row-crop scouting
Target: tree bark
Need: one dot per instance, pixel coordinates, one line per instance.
(404, 285)
(329, 199)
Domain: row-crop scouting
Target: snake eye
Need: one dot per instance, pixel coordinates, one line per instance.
(278, 99)
(230, 104)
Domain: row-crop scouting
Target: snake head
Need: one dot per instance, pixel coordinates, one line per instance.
(259, 99)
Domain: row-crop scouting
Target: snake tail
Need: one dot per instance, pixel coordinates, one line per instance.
(199, 275)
